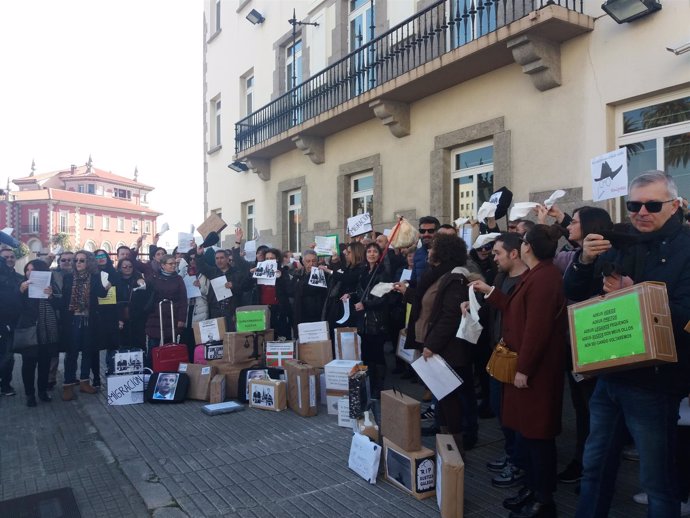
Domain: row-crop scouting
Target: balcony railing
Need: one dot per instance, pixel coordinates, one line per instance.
(432, 32)
(30, 229)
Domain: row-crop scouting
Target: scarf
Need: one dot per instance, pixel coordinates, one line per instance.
(634, 256)
(47, 325)
(81, 292)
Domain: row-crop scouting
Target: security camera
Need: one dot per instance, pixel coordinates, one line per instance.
(680, 49)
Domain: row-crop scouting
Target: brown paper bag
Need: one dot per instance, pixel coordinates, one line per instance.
(303, 388)
(401, 420)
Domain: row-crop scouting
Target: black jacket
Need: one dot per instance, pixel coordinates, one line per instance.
(375, 319)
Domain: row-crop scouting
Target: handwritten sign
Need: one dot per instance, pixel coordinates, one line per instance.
(610, 175)
(358, 225)
(326, 245)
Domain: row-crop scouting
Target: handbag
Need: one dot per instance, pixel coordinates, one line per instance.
(24, 338)
(502, 365)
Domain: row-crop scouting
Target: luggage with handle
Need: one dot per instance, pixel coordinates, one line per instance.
(167, 357)
(212, 350)
(167, 387)
(247, 374)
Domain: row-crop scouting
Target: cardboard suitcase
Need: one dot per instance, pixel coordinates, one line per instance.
(167, 387)
(450, 477)
(401, 419)
(268, 394)
(252, 319)
(243, 347)
(303, 388)
(217, 393)
(248, 374)
(316, 354)
(412, 471)
(200, 377)
(232, 374)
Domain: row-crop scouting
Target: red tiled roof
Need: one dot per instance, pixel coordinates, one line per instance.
(81, 199)
(80, 173)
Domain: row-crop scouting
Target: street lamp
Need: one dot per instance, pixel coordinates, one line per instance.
(624, 11)
(255, 17)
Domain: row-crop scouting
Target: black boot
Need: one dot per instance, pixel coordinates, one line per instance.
(31, 401)
(516, 502)
(536, 509)
(43, 396)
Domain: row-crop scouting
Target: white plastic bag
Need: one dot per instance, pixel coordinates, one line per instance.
(365, 456)
(470, 328)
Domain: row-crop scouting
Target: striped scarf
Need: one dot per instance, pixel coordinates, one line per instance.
(47, 326)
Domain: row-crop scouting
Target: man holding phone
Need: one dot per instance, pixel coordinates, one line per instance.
(645, 399)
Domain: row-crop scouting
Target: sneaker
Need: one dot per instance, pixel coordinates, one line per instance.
(497, 465)
(429, 414)
(631, 453)
(509, 477)
(8, 391)
(571, 474)
(641, 498)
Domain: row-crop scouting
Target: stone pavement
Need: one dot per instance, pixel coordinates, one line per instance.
(173, 461)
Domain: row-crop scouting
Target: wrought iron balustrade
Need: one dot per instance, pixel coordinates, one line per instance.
(430, 33)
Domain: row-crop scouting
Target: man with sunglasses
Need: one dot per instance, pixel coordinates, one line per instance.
(428, 225)
(646, 399)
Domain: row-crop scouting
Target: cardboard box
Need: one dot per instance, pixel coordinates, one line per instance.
(332, 398)
(211, 330)
(412, 471)
(214, 223)
(279, 352)
(344, 418)
(218, 389)
(199, 379)
(268, 394)
(450, 477)
(407, 355)
(313, 332)
(338, 373)
(401, 419)
(626, 329)
(347, 344)
(367, 426)
(125, 389)
(253, 319)
(242, 347)
(303, 388)
(317, 354)
(232, 374)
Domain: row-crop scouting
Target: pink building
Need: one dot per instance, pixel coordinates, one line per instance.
(95, 208)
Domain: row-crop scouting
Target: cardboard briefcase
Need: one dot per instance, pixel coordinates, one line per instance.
(303, 388)
(401, 419)
(450, 477)
(242, 347)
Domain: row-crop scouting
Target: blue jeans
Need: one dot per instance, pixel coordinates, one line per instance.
(80, 339)
(651, 419)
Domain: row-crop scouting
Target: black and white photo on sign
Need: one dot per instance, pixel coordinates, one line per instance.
(265, 272)
(131, 362)
(263, 395)
(166, 386)
(359, 224)
(255, 374)
(317, 278)
(610, 175)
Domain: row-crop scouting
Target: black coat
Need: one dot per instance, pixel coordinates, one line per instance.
(309, 300)
(375, 319)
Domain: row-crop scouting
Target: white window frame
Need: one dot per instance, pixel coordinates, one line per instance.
(90, 221)
(250, 219)
(658, 134)
(216, 17)
(147, 226)
(468, 199)
(135, 226)
(63, 222)
(34, 221)
(216, 126)
(291, 209)
(249, 94)
(290, 59)
(120, 224)
(105, 222)
(354, 195)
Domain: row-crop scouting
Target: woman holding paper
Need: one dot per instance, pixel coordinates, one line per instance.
(131, 295)
(344, 283)
(44, 315)
(81, 290)
(534, 326)
(105, 316)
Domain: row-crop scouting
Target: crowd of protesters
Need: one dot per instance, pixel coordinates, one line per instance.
(524, 277)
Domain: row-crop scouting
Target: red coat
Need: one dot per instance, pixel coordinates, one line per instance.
(534, 326)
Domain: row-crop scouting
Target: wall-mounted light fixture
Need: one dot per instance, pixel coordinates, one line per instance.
(680, 49)
(238, 167)
(255, 17)
(624, 11)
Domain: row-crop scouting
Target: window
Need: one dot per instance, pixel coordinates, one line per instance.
(215, 124)
(135, 226)
(294, 220)
(89, 246)
(34, 221)
(473, 172)
(120, 224)
(250, 221)
(63, 222)
(107, 246)
(216, 19)
(123, 194)
(362, 189)
(361, 28)
(90, 218)
(147, 227)
(81, 188)
(293, 65)
(657, 134)
(105, 223)
(91, 188)
(249, 94)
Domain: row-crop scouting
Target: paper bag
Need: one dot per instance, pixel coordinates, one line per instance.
(450, 477)
(401, 420)
(407, 355)
(358, 391)
(470, 328)
(199, 379)
(365, 457)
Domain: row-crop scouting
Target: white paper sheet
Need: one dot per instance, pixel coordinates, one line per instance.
(164, 228)
(346, 312)
(192, 291)
(266, 270)
(104, 279)
(406, 275)
(610, 175)
(485, 239)
(487, 210)
(38, 282)
(684, 413)
(461, 221)
(250, 251)
(208, 330)
(521, 209)
(381, 289)
(184, 242)
(557, 194)
(325, 245)
(219, 288)
(437, 375)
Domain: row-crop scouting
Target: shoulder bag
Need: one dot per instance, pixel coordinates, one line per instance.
(24, 338)
(502, 365)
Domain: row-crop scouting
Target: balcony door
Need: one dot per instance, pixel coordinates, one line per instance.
(361, 31)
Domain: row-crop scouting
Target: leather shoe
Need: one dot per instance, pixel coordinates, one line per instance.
(535, 510)
(515, 503)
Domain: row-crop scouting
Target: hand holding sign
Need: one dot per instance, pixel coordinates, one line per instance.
(358, 225)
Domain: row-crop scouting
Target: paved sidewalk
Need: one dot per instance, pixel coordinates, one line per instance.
(250, 464)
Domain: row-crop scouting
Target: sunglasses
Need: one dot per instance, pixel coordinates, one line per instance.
(651, 206)
(487, 248)
(126, 266)
(80, 260)
(101, 256)
(65, 260)
(427, 230)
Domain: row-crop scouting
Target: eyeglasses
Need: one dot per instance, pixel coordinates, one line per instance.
(427, 230)
(65, 260)
(651, 206)
(80, 260)
(126, 266)
(169, 264)
(487, 248)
